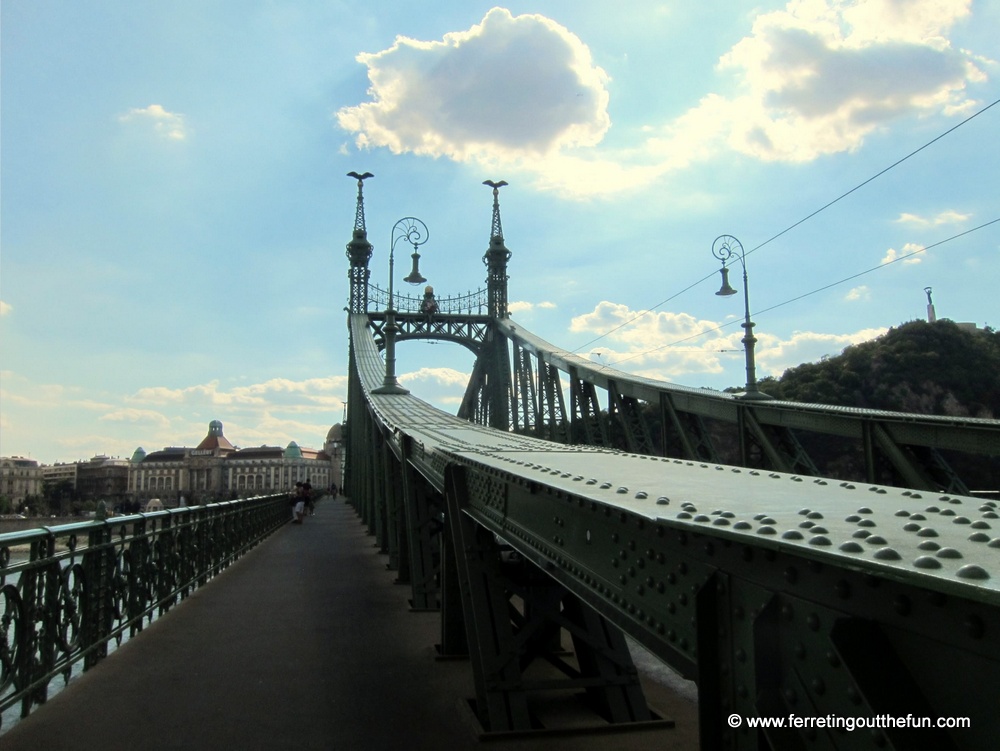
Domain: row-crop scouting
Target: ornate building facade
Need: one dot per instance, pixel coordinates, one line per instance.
(218, 470)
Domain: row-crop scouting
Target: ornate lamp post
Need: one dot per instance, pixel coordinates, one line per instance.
(414, 232)
(724, 248)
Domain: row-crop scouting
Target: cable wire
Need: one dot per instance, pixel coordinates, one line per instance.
(758, 313)
(801, 221)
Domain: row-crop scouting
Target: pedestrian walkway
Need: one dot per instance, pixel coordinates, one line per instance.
(304, 643)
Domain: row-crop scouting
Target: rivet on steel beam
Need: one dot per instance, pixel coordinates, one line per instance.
(887, 554)
(950, 553)
(792, 534)
(850, 547)
(766, 530)
(925, 561)
(972, 571)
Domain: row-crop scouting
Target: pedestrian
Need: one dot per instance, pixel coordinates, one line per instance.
(298, 504)
(333, 490)
(307, 494)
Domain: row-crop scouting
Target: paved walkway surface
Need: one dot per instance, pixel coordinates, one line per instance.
(305, 643)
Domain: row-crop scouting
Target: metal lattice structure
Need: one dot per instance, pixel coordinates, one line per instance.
(537, 514)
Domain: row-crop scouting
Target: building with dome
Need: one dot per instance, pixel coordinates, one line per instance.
(217, 470)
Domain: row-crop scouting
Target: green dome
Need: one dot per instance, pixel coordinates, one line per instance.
(138, 455)
(293, 451)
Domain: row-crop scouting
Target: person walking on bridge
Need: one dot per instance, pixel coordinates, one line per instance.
(298, 504)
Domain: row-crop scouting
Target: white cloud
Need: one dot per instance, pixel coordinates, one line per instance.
(522, 93)
(5, 308)
(858, 293)
(440, 376)
(508, 88)
(945, 217)
(168, 125)
(910, 254)
(523, 306)
(676, 346)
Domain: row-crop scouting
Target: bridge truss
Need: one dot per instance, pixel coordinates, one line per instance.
(571, 500)
(778, 593)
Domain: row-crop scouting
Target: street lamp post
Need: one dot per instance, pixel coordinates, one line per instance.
(724, 248)
(414, 232)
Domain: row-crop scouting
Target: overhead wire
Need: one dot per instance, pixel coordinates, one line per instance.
(796, 224)
(825, 287)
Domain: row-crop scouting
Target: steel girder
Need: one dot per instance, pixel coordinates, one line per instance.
(767, 432)
(589, 425)
(551, 407)
(626, 413)
(684, 434)
(514, 614)
(784, 598)
(769, 630)
(423, 511)
(469, 330)
(525, 400)
(537, 402)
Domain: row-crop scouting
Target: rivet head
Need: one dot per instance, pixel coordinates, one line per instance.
(887, 554)
(925, 561)
(971, 571)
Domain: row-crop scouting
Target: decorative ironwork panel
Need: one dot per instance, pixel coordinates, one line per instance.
(66, 592)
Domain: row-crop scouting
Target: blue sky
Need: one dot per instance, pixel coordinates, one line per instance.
(175, 205)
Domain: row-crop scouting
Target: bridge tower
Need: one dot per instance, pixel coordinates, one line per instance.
(359, 251)
(496, 259)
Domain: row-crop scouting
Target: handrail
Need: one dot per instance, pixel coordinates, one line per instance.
(79, 586)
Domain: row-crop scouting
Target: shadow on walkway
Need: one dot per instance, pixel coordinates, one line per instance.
(304, 643)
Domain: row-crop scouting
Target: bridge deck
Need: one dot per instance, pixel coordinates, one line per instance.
(305, 643)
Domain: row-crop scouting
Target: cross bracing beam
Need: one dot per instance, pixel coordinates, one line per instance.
(779, 594)
(468, 330)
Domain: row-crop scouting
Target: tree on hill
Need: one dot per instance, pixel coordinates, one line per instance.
(926, 368)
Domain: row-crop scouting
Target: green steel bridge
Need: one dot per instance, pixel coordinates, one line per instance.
(569, 505)
(545, 510)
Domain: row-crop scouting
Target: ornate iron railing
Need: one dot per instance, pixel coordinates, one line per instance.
(66, 592)
(472, 303)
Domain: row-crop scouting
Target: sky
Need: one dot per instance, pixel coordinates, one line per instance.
(175, 206)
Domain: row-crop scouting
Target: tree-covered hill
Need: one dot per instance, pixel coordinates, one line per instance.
(928, 368)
